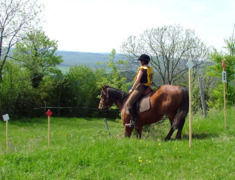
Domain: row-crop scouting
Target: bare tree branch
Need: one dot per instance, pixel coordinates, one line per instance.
(169, 47)
(16, 18)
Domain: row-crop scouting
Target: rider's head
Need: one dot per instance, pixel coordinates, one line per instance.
(144, 58)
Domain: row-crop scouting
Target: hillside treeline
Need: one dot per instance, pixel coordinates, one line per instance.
(31, 80)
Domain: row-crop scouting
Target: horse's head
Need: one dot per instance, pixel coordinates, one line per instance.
(105, 100)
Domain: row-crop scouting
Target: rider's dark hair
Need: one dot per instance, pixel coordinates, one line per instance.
(145, 58)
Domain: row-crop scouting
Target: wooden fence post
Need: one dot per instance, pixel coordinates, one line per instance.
(224, 80)
(225, 110)
(49, 130)
(202, 96)
(190, 109)
(190, 66)
(7, 136)
(6, 119)
(49, 114)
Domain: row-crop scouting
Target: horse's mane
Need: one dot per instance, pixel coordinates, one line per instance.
(116, 94)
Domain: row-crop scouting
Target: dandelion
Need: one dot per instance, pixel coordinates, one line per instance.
(140, 160)
(148, 161)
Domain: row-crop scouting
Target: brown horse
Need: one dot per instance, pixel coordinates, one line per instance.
(168, 100)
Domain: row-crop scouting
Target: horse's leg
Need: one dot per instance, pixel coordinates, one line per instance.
(181, 125)
(168, 137)
(171, 118)
(128, 131)
(139, 132)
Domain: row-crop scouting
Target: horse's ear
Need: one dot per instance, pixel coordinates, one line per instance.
(105, 91)
(105, 86)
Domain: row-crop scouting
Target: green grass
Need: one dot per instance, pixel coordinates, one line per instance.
(83, 149)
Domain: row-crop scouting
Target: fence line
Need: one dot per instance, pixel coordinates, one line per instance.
(48, 107)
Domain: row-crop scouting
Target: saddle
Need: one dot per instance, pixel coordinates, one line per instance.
(143, 104)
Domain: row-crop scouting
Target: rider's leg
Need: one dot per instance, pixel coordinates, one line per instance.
(133, 97)
(133, 113)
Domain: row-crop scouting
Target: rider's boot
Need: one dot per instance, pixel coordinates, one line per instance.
(133, 121)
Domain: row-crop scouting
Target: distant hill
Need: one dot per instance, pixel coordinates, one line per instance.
(72, 58)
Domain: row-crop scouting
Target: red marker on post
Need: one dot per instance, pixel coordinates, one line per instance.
(49, 114)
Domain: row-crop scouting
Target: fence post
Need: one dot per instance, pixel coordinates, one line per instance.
(202, 96)
(6, 118)
(7, 136)
(49, 114)
(224, 80)
(225, 111)
(190, 66)
(106, 125)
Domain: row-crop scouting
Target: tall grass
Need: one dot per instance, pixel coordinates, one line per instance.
(83, 149)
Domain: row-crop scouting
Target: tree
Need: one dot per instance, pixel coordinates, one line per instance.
(215, 70)
(80, 90)
(170, 47)
(37, 53)
(50, 91)
(14, 87)
(16, 18)
(112, 76)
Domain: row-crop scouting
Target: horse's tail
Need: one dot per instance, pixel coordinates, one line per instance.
(182, 111)
(184, 106)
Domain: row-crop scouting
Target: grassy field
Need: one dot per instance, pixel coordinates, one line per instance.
(83, 149)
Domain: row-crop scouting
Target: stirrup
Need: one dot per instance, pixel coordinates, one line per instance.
(129, 125)
(132, 124)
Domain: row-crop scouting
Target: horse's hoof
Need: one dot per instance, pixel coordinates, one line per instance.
(167, 139)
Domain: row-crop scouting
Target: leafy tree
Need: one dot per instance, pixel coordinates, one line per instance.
(15, 90)
(215, 71)
(16, 18)
(80, 90)
(37, 53)
(230, 46)
(170, 48)
(113, 76)
(50, 89)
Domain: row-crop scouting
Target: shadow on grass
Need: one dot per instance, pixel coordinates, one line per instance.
(200, 136)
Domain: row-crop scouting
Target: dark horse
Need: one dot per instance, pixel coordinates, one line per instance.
(169, 100)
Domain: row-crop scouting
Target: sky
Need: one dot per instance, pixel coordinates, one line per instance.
(103, 25)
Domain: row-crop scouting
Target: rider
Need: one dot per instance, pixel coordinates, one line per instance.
(142, 81)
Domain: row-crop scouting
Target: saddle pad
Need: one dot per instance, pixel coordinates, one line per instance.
(144, 104)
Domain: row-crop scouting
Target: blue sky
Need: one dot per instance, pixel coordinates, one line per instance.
(101, 25)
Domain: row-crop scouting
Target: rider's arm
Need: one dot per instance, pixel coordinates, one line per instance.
(137, 81)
